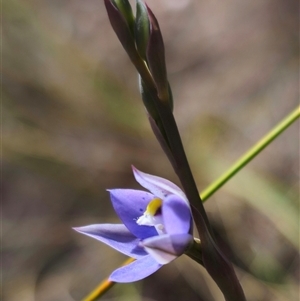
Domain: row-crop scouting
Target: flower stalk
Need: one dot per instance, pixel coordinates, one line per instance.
(141, 38)
(156, 98)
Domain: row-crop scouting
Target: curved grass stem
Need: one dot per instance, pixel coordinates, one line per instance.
(211, 189)
(250, 154)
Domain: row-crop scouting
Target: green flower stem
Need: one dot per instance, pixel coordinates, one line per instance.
(250, 154)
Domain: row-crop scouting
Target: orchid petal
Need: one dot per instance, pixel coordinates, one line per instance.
(116, 236)
(130, 204)
(136, 270)
(176, 215)
(165, 248)
(160, 187)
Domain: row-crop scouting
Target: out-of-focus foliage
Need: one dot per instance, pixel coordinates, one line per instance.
(73, 123)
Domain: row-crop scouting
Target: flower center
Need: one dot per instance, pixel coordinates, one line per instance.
(154, 206)
(152, 216)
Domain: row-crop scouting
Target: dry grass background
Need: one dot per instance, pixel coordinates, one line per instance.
(73, 123)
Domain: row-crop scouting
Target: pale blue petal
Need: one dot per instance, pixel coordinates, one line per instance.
(176, 215)
(165, 248)
(160, 187)
(136, 270)
(116, 236)
(130, 204)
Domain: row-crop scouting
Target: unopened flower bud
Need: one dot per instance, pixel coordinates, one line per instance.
(142, 28)
(124, 8)
(156, 58)
(122, 21)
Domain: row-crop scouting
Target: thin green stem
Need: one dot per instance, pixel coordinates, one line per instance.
(250, 154)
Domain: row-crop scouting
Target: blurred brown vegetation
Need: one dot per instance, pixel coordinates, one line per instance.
(73, 123)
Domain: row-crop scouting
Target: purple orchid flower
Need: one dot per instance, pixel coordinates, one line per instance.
(156, 229)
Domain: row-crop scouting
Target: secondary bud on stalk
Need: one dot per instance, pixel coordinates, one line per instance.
(142, 28)
(125, 9)
(156, 58)
(142, 40)
(122, 21)
(150, 46)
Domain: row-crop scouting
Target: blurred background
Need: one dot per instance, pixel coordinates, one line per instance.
(73, 123)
